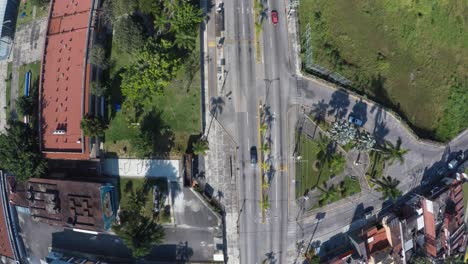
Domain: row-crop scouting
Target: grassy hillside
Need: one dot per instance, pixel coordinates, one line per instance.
(411, 55)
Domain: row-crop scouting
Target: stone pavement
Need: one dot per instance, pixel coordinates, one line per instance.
(221, 174)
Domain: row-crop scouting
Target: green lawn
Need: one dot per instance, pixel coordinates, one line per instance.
(376, 165)
(26, 8)
(178, 109)
(35, 69)
(409, 55)
(351, 187)
(129, 186)
(308, 172)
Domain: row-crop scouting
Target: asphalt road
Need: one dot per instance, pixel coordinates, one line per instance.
(268, 83)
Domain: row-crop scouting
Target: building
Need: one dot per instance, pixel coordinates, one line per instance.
(8, 14)
(445, 229)
(372, 244)
(6, 247)
(75, 204)
(65, 77)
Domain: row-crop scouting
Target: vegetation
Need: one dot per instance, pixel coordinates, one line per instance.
(138, 227)
(97, 56)
(8, 87)
(333, 193)
(200, 147)
(318, 163)
(388, 186)
(26, 11)
(129, 36)
(409, 55)
(19, 151)
(25, 105)
(158, 80)
(342, 132)
(92, 125)
(392, 153)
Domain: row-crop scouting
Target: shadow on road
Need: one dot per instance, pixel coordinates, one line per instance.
(339, 104)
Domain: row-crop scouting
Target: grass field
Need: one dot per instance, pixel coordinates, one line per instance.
(409, 55)
(26, 13)
(308, 173)
(35, 68)
(178, 110)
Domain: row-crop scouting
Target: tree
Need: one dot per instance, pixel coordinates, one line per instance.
(337, 162)
(185, 41)
(138, 231)
(150, 7)
(25, 105)
(128, 34)
(19, 152)
(182, 17)
(265, 147)
(388, 188)
(392, 152)
(120, 8)
(263, 128)
(97, 89)
(92, 125)
(342, 132)
(265, 185)
(324, 153)
(328, 194)
(265, 204)
(97, 56)
(200, 147)
(154, 69)
(265, 166)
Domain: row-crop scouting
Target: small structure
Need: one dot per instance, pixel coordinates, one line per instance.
(75, 204)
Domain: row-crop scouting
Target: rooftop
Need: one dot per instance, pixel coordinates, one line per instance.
(64, 80)
(5, 243)
(77, 204)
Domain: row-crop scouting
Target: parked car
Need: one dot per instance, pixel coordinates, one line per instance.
(274, 17)
(253, 155)
(368, 211)
(354, 120)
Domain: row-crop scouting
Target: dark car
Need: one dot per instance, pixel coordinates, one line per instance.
(253, 155)
(274, 17)
(354, 120)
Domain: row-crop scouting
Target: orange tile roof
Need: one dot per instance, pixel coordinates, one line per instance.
(64, 81)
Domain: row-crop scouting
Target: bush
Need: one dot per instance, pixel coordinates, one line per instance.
(129, 34)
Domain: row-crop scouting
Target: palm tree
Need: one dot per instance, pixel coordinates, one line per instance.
(328, 194)
(185, 41)
(394, 152)
(337, 163)
(265, 204)
(200, 147)
(323, 144)
(263, 128)
(265, 166)
(388, 188)
(265, 185)
(319, 111)
(265, 147)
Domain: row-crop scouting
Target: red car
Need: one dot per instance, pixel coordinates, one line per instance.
(274, 17)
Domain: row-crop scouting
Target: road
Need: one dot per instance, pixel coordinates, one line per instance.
(268, 83)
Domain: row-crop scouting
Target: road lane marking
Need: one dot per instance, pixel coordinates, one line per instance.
(212, 44)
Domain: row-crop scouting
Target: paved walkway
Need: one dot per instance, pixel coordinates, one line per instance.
(3, 101)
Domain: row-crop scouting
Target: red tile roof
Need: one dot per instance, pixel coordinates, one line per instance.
(378, 240)
(64, 80)
(5, 244)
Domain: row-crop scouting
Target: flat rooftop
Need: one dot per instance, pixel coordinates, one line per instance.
(64, 80)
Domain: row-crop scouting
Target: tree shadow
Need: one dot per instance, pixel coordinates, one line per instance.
(360, 111)
(154, 130)
(339, 104)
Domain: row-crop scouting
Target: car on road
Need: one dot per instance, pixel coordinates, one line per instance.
(354, 120)
(274, 17)
(253, 155)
